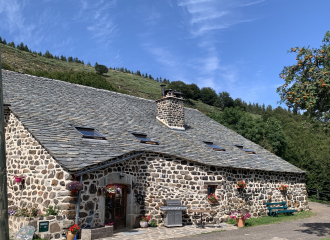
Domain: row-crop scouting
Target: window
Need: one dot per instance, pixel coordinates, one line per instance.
(215, 147)
(211, 189)
(245, 150)
(143, 138)
(249, 151)
(90, 133)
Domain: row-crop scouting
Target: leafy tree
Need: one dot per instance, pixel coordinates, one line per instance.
(195, 91)
(4, 41)
(48, 54)
(100, 69)
(307, 82)
(209, 96)
(0, 39)
(225, 100)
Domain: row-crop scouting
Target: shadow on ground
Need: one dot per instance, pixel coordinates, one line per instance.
(318, 229)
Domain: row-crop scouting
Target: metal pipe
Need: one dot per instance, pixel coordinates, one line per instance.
(78, 203)
(4, 228)
(163, 89)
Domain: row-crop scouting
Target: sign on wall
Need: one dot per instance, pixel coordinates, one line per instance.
(43, 226)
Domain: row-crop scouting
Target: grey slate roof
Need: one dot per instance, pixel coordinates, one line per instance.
(49, 108)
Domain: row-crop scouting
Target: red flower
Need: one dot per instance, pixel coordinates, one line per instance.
(74, 229)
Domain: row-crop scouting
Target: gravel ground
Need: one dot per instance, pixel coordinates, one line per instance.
(317, 227)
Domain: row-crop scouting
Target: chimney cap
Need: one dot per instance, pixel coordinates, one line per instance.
(162, 85)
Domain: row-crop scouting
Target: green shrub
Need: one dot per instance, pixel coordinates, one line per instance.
(7, 67)
(51, 210)
(153, 224)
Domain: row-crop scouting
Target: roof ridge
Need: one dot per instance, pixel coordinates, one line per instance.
(98, 89)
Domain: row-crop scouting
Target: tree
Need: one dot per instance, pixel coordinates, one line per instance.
(225, 100)
(100, 69)
(209, 96)
(307, 82)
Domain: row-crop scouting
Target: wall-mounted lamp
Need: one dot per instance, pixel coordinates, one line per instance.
(121, 175)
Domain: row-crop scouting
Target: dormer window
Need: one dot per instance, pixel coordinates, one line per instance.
(90, 133)
(215, 147)
(144, 139)
(245, 150)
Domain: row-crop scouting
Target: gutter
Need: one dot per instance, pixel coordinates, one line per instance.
(79, 174)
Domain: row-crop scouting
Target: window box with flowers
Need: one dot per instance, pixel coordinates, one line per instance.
(240, 217)
(241, 185)
(212, 198)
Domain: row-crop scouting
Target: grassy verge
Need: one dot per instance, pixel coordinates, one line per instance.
(318, 201)
(251, 222)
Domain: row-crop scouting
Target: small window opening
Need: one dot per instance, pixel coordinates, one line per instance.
(249, 151)
(90, 133)
(215, 147)
(144, 139)
(211, 193)
(245, 150)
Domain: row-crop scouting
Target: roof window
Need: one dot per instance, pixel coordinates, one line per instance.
(215, 147)
(143, 138)
(245, 150)
(90, 133)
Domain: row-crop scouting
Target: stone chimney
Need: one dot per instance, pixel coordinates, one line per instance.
(170, 109)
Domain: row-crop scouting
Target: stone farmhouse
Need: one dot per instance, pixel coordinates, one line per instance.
(154, 150)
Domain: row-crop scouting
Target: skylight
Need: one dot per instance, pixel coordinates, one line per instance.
(215, 147)
(143, 138)
(245, 150)
(90, 133)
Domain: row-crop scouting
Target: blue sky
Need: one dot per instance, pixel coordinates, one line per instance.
(238, 46)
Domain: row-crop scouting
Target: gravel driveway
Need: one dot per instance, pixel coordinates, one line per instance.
(317, 227)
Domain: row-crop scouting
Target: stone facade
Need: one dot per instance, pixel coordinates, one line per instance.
(170, 111)
(155, 176)
(55, 229)
(159, 177)
(44, 179)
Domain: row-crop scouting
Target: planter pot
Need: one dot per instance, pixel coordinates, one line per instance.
(238, 187)
(240, 222)
(144, 224)
(18, 179)
(283, 189)
(70, 235)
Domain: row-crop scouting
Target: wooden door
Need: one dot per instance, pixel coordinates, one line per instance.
(115, 208)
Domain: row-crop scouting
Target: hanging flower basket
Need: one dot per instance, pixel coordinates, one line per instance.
(241, 184)
(283, 187)
(112, 189)
(18, 178)
(74, 186)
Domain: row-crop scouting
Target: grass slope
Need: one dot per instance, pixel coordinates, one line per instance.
(131, 84)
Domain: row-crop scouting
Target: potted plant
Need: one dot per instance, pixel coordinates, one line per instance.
(74, 186)
(282, 187)
(241, 184)
(18, 178)
(240, 217)
(212, 198)
(144, 221)
(73, 231)
(112, 189)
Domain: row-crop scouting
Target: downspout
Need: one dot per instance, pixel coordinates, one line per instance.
(78, 203)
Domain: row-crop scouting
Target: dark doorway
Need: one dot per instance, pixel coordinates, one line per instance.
(115, 208)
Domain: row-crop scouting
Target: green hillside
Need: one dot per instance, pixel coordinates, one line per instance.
(26, 62)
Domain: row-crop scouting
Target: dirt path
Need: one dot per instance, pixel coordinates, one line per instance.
(317, 227)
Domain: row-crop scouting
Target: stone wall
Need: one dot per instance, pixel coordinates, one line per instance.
(45, 180)
(161, 177)
(55, 230)
(170, 111)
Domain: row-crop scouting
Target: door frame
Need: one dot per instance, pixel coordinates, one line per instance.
(132, 208)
